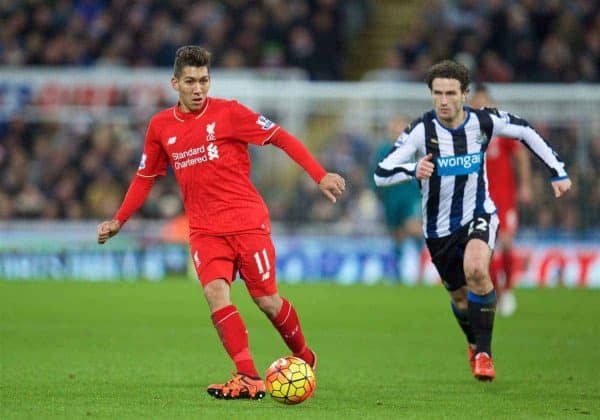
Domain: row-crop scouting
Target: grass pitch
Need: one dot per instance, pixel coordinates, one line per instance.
(147, 350)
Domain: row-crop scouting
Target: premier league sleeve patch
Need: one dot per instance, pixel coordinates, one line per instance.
(143, 162)
(265, 123)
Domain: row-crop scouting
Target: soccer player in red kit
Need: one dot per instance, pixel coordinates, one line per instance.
(505, 190)
(205, 140)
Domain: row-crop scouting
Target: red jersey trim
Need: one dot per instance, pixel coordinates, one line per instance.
(268, 139)
(201, 113)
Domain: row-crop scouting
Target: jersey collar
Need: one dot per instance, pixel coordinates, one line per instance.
(460, 127)
(184, 116)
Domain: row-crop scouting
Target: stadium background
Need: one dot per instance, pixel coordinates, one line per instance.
(79, 80)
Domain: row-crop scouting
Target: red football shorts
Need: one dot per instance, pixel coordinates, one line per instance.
(222, 257)
(509, 220)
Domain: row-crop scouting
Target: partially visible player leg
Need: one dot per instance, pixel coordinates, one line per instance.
(285, 319)
(447, 255)
(459, 306)
(214, 262)
(507, 303)
(482, 305)
(259, 273)
(230, 326)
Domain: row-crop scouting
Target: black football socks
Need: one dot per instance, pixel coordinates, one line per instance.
(482, 309)
(462, 316)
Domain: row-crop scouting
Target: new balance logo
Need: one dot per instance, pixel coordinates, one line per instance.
(172, 140)
(196, 259)
(213, 151)
(264, 271)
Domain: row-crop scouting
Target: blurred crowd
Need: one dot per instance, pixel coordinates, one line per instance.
(54, 171)
(82, 169)
(504, 40)
(309, 34)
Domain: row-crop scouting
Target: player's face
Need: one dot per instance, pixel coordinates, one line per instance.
(448, 101)
(192, 86)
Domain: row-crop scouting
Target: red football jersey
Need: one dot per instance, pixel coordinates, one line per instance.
(208, 151)
(501, 172)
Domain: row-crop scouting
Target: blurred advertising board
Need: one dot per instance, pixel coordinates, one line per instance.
(68, 251)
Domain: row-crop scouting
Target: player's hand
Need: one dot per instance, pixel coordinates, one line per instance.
(332, 185)
(425, 167)
(107, 230)
(561, 186)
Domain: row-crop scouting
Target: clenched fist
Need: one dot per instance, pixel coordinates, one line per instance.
(425, 167)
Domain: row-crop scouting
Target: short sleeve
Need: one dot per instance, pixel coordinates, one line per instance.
(249, 126)
(154, 160)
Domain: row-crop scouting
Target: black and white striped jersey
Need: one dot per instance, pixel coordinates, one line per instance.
(457, 191)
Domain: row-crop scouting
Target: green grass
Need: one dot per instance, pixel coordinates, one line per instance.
(147, 350)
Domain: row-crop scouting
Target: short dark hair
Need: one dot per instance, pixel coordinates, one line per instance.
(449, 69)
(480, 87)
(190, 55)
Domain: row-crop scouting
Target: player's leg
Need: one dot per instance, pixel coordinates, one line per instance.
(214, 262)
(259, 273)
(481, 296)
(447, 255)
(507, 304)
(230, 326)
(284, 318)
(460, 309)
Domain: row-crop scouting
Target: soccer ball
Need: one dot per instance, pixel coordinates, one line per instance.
(290, 380)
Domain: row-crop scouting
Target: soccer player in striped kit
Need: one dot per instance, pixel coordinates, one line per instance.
(459, 217)
(205, 140)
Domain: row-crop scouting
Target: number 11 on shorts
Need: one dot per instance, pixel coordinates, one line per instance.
(265, 273)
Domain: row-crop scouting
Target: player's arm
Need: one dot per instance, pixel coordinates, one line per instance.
(134, 199)
(154, 162)
(330, 184)
(396, 166)
(253, 128)
(509, 125)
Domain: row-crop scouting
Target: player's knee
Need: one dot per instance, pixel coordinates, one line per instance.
(270, 305)
(476, 273)
(217, 294)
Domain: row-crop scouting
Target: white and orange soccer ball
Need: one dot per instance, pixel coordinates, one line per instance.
(290, 380)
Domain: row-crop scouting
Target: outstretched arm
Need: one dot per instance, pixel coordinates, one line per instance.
(330, 184)
(135, 197)
(509, 125)
(395, 168)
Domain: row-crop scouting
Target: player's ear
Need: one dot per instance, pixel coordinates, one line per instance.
(175, 83)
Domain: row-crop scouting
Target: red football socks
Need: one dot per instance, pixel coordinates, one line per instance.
(288, 325)
(234, 336)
